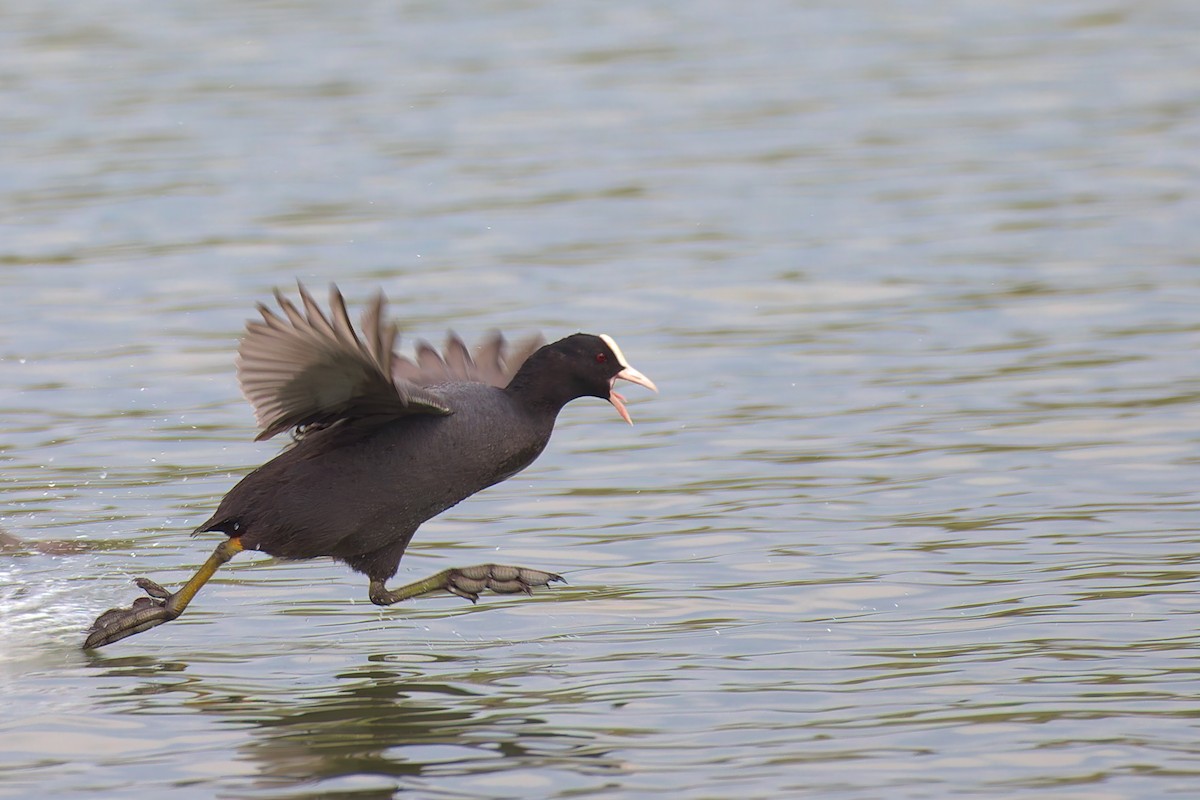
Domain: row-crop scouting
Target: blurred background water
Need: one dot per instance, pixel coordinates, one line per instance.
(911, 518)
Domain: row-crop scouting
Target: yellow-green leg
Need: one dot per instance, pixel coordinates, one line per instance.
(161, 606)
(467, 582)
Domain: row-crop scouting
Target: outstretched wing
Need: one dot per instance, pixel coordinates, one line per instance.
(492, 362)
(304, 369)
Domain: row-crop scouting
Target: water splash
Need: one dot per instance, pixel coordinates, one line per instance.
(40, 614)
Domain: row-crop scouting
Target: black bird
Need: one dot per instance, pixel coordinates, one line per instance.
(382, 443)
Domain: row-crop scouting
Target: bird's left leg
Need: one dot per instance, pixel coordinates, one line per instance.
(466, 582)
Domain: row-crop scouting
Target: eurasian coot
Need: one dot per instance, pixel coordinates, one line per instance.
(382, 443)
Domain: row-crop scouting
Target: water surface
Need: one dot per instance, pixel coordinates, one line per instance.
(912, 517)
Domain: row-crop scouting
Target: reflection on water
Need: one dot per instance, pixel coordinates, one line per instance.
(389, 724)
(377, 725)
(914, 515)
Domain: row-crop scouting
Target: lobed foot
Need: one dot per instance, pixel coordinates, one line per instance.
(145, 613)
(468, 582)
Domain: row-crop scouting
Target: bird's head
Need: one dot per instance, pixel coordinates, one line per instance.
(583, 365)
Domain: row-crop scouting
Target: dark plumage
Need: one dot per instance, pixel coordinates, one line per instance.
(383, 443)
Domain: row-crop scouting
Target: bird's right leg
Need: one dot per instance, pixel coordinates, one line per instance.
(466, 582)
(161, 606)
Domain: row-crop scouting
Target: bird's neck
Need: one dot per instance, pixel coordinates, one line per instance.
(537, 389)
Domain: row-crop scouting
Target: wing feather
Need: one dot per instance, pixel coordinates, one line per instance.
(490, 362)
(301, 368)
(458, 360)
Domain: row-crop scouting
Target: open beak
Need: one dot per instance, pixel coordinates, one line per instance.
(633, 376)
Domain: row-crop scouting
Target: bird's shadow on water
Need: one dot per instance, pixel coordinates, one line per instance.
(395, 723)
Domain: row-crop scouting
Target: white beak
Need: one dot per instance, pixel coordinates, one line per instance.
(627, 373)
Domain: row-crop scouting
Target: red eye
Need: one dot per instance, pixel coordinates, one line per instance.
(601, 358)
